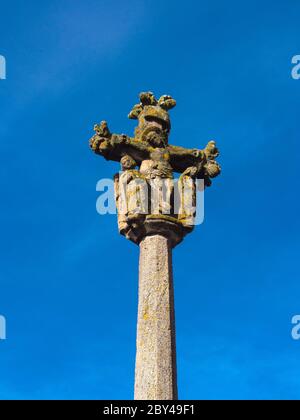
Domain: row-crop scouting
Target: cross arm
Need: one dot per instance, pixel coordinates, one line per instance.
(199, 163)
(115, 146)
(182, 158)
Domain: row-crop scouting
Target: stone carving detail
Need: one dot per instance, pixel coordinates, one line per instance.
(148, 162)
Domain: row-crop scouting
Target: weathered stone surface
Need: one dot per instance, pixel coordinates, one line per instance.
(147, 159)
(155, 373)
(156, 159)
(150, 142)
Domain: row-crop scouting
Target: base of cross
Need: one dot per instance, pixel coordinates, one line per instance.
(160, 224)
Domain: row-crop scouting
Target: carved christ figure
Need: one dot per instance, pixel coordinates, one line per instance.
(156, 161)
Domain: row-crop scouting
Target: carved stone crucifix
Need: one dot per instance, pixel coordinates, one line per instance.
(156, 229)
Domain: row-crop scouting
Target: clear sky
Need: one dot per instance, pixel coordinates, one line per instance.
(68, 280)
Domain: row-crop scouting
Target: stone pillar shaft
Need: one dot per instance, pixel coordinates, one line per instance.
(155, 371)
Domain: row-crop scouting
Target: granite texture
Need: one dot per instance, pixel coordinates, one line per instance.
(155, 372)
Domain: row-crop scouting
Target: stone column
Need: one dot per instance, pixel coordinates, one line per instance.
(155, 371)
(148, 163)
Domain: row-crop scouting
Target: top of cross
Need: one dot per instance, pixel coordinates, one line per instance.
(150, 141)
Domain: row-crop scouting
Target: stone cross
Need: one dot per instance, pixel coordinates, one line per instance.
(144, 190)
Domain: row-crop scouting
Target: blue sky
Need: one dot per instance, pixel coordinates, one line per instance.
(68, 281)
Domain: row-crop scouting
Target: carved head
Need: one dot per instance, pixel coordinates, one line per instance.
(127, 162)
(154, 121)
